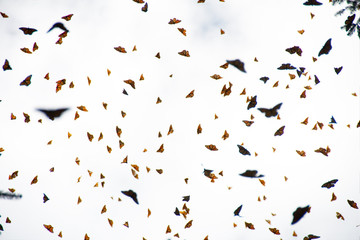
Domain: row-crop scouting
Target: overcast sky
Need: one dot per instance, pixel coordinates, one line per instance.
(253, 29)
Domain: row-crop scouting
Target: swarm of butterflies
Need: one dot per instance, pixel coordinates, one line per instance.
(55, 114)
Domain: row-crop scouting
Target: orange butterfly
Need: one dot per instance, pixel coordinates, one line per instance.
(82, 108)
(90, 136)
(12, 116)
(216, 76)
(184, 53)
(225, 136)
(130, 82)
(183, 31)
(249, 226)
(189, 224)
(67, 17)
(27, 117)
(301, 153)
(6, 65)
(35, 47)
(161, 148)
(280, 131)
(174, 21)
(145, 8)
(191, 94)
(4, 15)
(120, 49)
(199, 129)
(26, 81)
(28, 31)
(171, 130)
(352, 204)
(248, 123)
(13, 175)
(274, 231)
(49, 228)
(158, 55)
(211, 147)
(121, 144)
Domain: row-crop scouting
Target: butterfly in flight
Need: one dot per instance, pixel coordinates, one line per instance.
(238, 64)
(52, 114)
(270, 112)
(59, 25)
(312, 3)
(252, 102)
(28, 31)
(326, 48)
(132, 194)
(299, 213)
(251, 174)
(329, 184)
(243, 150)
(237, 211)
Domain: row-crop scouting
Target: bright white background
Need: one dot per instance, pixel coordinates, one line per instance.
(261, 29)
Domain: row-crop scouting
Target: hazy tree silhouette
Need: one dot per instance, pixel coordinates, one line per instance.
(351, 25)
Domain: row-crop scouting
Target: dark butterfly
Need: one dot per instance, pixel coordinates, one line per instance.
(317, 81)
(299, 213)
(238, 64)
(338, 70)
(59, 25)
(251, 174)
(294, 49)
(332, 120)
(132, 194)
(271, 112)
(9, 195)
(6, 65)
(45, 198)
(145, 8)
(264, 79)
(1, 228)
(280, 131)
(28, 31)
(326, 48)
(349, 22)
(311, 236)
(125, 92)
(286, 66)
(300, 71)
(186, 198)
(177, 213)
(312, 3)
(208, 172)
(243, 150)
(52, 114)
(237, 211)
(252, 103)
(26, 81)
(329, 184)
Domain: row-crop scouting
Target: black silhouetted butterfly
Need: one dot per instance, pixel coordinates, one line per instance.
(28, 31)
(59, 25)
(270, 112)
(238, 64)
(299, 213)
(312, 3)
(286, 66)
(252, 103)
(237, 211)
(338, 70)
(52, 114)
(132, 194)
(264, 79)
(326, 48)
(251, 174)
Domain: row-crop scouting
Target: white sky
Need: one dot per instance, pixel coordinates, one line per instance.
(261, 29)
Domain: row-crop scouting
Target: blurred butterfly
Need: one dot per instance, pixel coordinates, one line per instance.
(352, 204)
(52, 114)
(286, 66)
(264, 79)
(332, 120)
(124, 92)
(4, 15)
(177, 213)
(317, 81)
(252, 102)
(248, 123)
(349, 22)
(59, 25)
(211, 147)
(120, 49)
(26, 81)
(67, 17)
(191, 94)
(238, 64)
(275, 231)
(311, 236)
(249, 226)
(326, 48)
(131, 194)
(312, 3)
(174, 21)
(10, 195)
(49, 228)
(186, 198)
(299, 213)
(294, 49)
(28, 31)
(338, 70)
(184, 53)
(237, 211)
(243, 150)
(145, 8)
(183, 31)
(6, 65)
(280, 131)
(271, 112)
(130, 82)
(329, 184)
(45, 198)
(251, 174)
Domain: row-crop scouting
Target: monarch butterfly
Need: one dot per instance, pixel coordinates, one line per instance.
(294, 49)
(120, 49)
(4, 15)
(326, 48)
(171, 130)
(45, 198)
(52, 114)
(225, 136)
(249, 226)
(237, 211)
(189, 224)
(352, 204)
(286, 66)
(248, 123)
(299, 213)
(191, 94)
(280, 131)
(67, 17)
(26, 50)
(6, 65)
(138, 1)
(252, 102)
(225, 65)
(174, 21)
(301, 153)
(211, 147)
(271, 112)
(82, 108)
(158, 55)
(338, 70)
(49, 228)
(216, 76)
(264, 79)
(130, 193)
(183, 31)
(161, 148)
(26, 81)
(199, 129)
(184, 53)
(251, 174)
(243, 150)
(168, 229)
(130, 82)
(145, 8)
(28, 31)
(330, 184)
(237, 64)
(274, 231)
